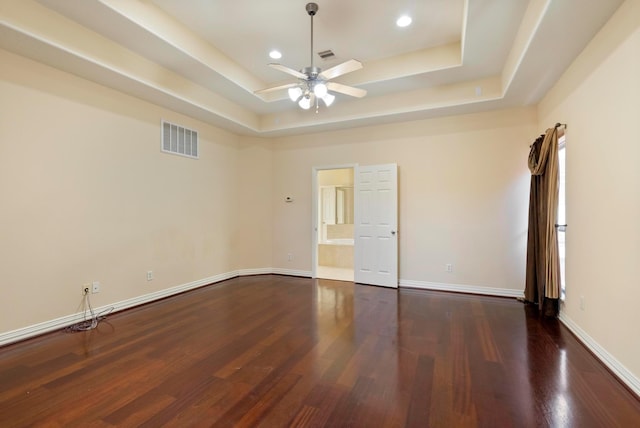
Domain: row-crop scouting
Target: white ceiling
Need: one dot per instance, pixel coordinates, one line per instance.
(205, 58)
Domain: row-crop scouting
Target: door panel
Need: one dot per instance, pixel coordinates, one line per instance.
(376, 219)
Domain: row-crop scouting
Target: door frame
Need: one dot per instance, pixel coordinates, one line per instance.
(314, 210)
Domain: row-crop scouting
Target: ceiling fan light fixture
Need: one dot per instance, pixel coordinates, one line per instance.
(328, 99)
(305, 102)
(295, 93)
(320, 89)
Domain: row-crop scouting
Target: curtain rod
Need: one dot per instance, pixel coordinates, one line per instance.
(558, 125)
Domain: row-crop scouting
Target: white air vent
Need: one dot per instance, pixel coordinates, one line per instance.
(179, 140)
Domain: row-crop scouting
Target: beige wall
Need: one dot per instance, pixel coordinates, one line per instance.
(87, 195)
(599, 99)
(463, 193)
(254, 198)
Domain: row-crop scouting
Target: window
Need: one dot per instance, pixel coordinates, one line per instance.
(561, 226)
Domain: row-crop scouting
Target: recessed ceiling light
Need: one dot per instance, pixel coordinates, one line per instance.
(274, 54)
(403, 21)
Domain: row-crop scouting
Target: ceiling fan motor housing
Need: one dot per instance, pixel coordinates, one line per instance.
(312, 72)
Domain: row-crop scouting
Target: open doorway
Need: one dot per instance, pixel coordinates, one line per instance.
(334, 228)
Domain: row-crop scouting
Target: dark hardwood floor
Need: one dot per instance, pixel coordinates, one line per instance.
(276, 351)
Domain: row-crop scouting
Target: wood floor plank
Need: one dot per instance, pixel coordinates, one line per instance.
(304, 418)
(419, 411)
(277, 351)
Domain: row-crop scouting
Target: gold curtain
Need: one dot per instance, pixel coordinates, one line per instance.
(543, 263)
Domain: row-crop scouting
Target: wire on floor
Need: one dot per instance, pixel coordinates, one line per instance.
(89, 324)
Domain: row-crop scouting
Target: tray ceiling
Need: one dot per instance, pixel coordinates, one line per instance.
(205, 58)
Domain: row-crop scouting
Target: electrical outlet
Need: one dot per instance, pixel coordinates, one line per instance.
(149, 275)
(582, 303)
(449, 267)
(86, 288)
(95, 287)
(289, 257)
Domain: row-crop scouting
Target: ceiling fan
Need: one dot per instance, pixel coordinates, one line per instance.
(313, 83)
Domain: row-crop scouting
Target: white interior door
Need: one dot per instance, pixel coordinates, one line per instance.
(376, 221)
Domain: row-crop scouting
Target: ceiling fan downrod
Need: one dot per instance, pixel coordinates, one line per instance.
(312, 9)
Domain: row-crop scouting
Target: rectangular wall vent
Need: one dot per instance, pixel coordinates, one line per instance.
(179, 140)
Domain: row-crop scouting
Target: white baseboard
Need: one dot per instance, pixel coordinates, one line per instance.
(256, 271)
(291, 272)
(457, 288)
(62, 322)
(40, 328)
(603, 355)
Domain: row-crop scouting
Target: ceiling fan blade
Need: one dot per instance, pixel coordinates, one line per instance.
(347, 90)
(340, 69)
(275, 88)
(288, 70)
